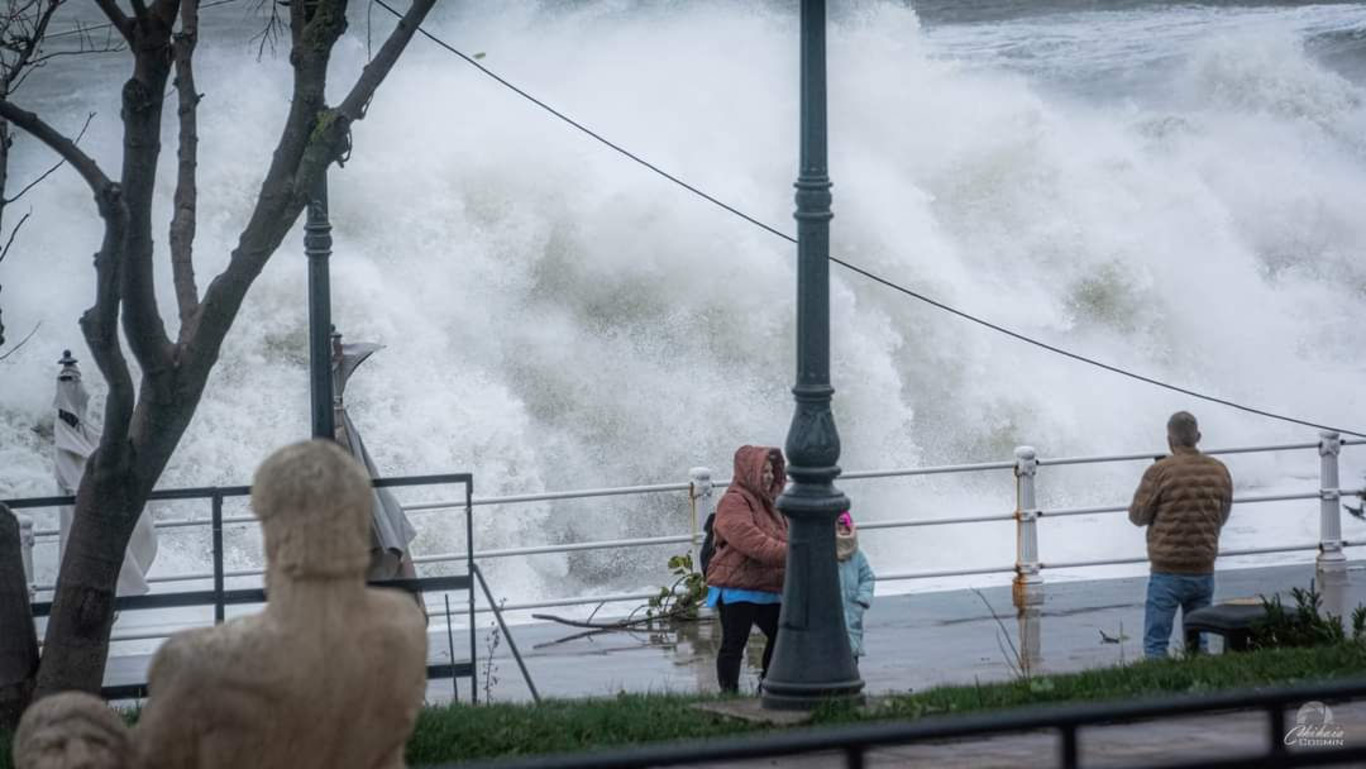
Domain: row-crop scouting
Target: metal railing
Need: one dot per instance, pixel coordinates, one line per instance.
(855, 743)
(700, 489)
(219, 597)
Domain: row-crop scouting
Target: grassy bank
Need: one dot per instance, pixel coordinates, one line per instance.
(462, 732)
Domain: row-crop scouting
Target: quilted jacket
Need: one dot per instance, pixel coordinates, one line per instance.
(1184, 500)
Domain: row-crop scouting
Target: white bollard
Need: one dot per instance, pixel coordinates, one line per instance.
(26, 540)
(1331, 559)
(700, 497)
(1027, 578)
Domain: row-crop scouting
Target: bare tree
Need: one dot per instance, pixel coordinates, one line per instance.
(144, 420)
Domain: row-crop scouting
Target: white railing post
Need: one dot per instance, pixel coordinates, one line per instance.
(26, 540)
(1331, 559)
(700, 498)
(1027, 578)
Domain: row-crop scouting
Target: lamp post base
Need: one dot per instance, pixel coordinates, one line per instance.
(780, 696)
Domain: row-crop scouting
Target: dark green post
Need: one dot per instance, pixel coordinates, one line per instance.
(812, 662)
(318, 247)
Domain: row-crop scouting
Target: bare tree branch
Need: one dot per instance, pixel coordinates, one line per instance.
(100, 322)
(143, 98)
(22, 342)
(67, 149)
(186, 194)
(312, 138)
(117, 18)
(139, 11)
(333, 138)
(271, 33)
(354, 105)
(30, 44)
(12, 233)
(6, 201)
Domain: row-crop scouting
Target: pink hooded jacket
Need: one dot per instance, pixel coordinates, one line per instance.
(751, 535)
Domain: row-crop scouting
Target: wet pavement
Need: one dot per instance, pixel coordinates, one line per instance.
(913, 641)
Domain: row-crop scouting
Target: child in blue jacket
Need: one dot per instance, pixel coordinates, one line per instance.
(856, 580)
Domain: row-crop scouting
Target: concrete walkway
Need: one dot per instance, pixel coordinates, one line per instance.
(913, 641)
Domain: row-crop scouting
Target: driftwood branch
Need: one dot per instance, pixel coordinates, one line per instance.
(186, 192)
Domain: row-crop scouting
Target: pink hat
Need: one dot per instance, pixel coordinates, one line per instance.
(846, 519)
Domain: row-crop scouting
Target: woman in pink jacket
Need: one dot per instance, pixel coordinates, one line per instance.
(745, 576)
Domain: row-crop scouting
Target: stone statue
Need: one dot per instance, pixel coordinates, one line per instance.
(330, 674)
(72, 730)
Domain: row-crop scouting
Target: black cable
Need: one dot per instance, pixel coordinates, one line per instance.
(859, 270)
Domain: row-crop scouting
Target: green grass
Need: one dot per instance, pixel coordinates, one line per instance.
(462, 732)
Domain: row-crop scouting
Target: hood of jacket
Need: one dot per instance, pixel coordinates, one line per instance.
(749, 472)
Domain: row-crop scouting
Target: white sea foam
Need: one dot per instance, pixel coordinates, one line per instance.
(557, 317)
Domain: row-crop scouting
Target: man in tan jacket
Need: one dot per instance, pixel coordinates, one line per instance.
(1184, 499)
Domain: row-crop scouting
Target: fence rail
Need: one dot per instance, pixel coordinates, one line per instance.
(855, 742)
(700, 495)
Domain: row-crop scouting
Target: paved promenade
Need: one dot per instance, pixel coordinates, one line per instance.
(913, 641)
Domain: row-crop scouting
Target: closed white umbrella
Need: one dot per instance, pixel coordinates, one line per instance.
(390, 531)
(76, 440)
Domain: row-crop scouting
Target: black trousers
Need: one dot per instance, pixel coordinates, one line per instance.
(736, 621)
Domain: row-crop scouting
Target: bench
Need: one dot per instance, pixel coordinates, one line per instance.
(1232, 620)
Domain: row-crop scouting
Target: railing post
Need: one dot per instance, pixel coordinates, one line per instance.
(26, 540)
(700, 499)
(1331, 559)
(219, 610)
(1027, 579)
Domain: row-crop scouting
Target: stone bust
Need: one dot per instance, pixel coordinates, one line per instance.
(330, 674)
(72, 730)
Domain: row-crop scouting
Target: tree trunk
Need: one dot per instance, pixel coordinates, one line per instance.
(77, 638)
(19, 642)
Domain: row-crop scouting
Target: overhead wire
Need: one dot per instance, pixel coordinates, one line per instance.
(860, 270)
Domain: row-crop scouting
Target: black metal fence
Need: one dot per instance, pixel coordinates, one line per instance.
(853, 745)
(220, 598)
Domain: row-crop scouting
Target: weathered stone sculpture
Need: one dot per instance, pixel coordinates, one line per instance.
(331, 674)
(72, 730)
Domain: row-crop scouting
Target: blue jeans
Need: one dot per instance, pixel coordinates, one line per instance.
(1165, 593)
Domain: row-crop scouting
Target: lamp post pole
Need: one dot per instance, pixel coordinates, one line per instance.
(318, 248)
(812, 662)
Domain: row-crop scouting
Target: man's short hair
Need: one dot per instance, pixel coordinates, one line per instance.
(1183, 430)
